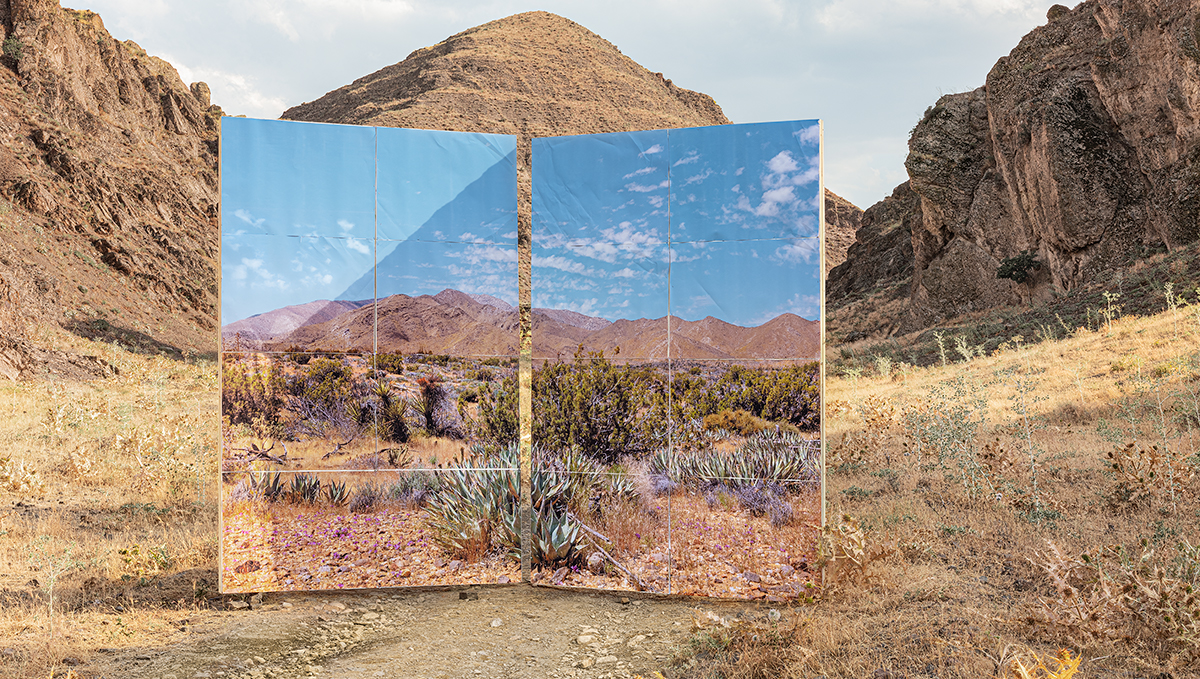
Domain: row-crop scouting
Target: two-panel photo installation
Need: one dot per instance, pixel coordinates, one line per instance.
(376, 285)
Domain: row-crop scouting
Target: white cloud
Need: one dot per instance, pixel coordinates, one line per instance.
(656, 201)
(844, 16)
(657, 148)
(624, 273)
(236, 93)
(694, 179)
(346, 226)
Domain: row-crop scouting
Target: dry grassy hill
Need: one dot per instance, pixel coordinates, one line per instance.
(108, 174)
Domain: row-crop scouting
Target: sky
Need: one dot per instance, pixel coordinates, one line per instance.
(308, 210)
(713, 221)
(867, 68)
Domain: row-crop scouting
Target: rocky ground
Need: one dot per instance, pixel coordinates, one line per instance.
(511, 631)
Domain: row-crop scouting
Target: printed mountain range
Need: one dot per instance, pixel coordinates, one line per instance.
(458, 324)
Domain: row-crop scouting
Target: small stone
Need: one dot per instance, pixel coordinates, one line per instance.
(496, 622)
(636, 641)
(503, 580)
(751, 576)
(785, 571)
(259, 659)
(238, 605)
(325, 569)
(605, 659)
(595, 563)
(587, 662)
(286, 604)
(624, 601)
(370, 615)
(468, 596)
(584, 639)
(454, 565)
(256, 600)
(560, 575)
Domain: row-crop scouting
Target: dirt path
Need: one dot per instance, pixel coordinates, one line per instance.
(510, 632)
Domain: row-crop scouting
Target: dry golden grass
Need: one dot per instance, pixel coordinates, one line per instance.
(110, 541)
(986, 547)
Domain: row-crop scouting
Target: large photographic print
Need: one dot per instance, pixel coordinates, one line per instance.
(676, 384)
(368, 315)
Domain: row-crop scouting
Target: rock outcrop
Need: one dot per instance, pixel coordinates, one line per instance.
(1081, 148)
(108, 168)
(842, 219)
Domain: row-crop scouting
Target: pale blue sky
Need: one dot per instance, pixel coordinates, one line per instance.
(299, 212)
(868, 68)
(733, 209)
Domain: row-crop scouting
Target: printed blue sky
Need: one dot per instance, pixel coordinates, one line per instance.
(611, 210)
(868, 68)
(299, 213)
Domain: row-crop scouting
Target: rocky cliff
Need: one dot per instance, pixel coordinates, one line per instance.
(1081, 148)
(109, 179)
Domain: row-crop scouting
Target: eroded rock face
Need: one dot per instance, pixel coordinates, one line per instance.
(108, 163)
(1082, 147)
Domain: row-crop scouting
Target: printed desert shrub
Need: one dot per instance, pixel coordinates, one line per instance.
(593, 405)
(498, 421)
(251, 392)
(431, 394)
(393, 426)
(326, 381)
(736, 421)
(297, 355)
(390, 362)
(326, 400)
(791, 394)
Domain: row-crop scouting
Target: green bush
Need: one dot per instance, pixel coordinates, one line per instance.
(251, 393)
(1017, 268)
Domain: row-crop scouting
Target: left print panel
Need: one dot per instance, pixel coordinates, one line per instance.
(351, 456)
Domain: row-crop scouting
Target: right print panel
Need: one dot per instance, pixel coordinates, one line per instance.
(677, 278)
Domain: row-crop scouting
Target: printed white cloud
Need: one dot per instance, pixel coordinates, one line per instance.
(657, 148)
(647, 188)
(656, 201)
(249, 218)
(698, 177)
(802, 250)
(691, 157)
(560, 263)
(262, 277)
(345, 226)
(782, 163)
(638, 173)
(809, 135)
(624, 273)
(805, 306)
(359, 246)
(491, 253)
